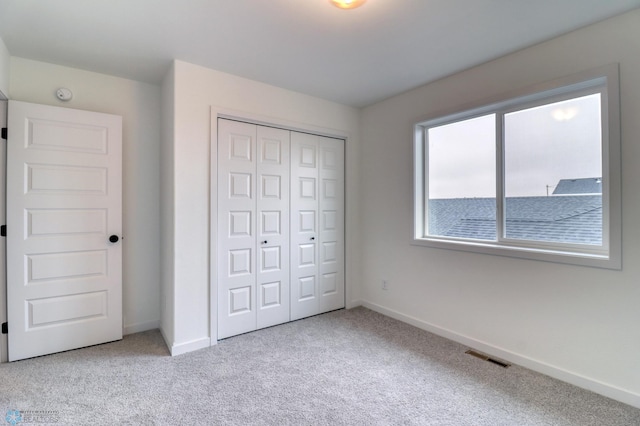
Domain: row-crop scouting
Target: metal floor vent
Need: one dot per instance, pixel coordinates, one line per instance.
(484, 357)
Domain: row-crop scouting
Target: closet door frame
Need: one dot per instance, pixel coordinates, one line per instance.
(257, 119)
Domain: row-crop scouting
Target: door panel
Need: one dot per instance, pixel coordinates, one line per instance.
(64, 185)
(253, 289)
(236, 228)
(331, 226)
(317, 228)
(304, 226)
(273, 229)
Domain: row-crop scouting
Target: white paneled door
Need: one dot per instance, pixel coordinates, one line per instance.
(64, 222)
(253, 231)
(280, 231)
(272, 278)
(317, 224)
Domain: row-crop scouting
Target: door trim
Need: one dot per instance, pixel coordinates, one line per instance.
(217, 112)
(4, 348)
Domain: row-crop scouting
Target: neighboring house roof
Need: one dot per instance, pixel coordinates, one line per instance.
(579, 186)
(567, 218)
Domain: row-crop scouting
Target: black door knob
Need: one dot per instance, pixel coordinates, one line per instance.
(114, 239)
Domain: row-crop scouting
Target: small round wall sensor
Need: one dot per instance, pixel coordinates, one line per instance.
(64, 94)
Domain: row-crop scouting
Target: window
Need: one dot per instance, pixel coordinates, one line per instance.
(533, 175)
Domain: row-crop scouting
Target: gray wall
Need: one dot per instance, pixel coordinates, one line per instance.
(576, 323)
(4, 69)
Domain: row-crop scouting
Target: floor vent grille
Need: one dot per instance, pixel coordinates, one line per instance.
(484, 357)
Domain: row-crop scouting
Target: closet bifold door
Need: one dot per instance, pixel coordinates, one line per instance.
(236, 228)
(331, 225)
(253, 217)
(317, 224)
(273, 226)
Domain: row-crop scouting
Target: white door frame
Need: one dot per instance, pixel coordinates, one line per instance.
(3, 220)
(220, 112)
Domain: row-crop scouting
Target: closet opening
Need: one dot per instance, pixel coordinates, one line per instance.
(279, 236)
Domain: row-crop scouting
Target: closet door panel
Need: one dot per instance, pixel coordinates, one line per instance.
(304, 225)
(236, 228)
(331, 224)
(272, 289)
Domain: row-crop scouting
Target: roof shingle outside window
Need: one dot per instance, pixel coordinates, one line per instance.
(575, 219)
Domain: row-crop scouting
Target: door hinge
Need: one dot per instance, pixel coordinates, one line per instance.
(3, 231)
(5, 328)
(4, 133)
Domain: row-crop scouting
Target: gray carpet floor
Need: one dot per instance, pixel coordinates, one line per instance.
(352, 367)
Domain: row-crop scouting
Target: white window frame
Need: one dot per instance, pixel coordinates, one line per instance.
(603, 80)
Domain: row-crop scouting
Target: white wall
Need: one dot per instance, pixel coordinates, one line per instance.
(139, 105)
(196, 90)
(167, 206)
(4, 69)
(578, 324)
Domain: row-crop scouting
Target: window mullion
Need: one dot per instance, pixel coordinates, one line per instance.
(500, 201)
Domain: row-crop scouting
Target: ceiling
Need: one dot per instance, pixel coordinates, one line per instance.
(354, 57)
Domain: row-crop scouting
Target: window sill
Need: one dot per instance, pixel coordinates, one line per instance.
(554, 255)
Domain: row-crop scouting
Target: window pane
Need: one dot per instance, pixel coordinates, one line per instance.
(462, 179)
(553, 172)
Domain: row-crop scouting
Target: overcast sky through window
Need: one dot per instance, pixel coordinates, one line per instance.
(543, 145)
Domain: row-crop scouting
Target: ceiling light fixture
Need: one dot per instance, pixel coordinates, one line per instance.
(347, 4)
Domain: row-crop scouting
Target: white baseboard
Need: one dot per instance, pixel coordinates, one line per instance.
(193, 345)
(575, 379)
(141, 326)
